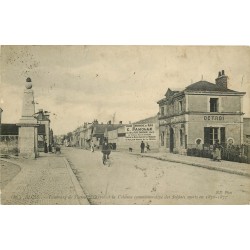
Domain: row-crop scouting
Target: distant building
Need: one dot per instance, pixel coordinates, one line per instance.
(95, 131)
(9, 129)
(45, 135)
(0, 119)
(246, 131)
(131, 135)
(9, 132)
(200, 114)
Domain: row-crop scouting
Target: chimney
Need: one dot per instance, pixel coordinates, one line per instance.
(222, 79)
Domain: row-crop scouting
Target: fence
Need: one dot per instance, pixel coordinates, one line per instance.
(236, 153)
(9, 144)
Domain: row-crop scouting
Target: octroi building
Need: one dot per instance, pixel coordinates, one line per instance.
(200, 114)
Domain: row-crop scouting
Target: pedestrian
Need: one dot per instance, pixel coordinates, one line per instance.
(45, 147)
(148, 147)
(217, 151)
(106, 150)
(92, 146)
(142, 147)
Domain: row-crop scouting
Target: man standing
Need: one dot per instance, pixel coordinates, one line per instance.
(106, 150)
(142, 147)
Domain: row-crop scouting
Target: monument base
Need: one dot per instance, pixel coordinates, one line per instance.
(27, 141)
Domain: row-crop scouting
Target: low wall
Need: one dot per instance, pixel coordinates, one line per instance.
(9, 145)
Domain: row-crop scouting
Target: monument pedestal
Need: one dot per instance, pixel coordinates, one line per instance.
(27, 141)
(28, 126)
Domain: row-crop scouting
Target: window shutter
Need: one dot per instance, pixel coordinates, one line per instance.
(206, 136)
(222, 136)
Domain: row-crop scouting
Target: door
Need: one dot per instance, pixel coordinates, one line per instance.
(171, 140)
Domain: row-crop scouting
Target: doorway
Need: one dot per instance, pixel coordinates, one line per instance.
(171, 146)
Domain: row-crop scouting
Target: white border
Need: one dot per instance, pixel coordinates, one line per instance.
(130, 22)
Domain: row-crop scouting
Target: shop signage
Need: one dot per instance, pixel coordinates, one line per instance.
(213, 117)
(140, 132)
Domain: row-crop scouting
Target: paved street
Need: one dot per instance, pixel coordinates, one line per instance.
(132, 179)
(44, 181)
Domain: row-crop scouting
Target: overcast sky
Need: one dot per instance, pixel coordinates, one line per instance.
(78, 84)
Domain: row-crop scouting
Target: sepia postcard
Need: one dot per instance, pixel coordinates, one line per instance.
(125, 125)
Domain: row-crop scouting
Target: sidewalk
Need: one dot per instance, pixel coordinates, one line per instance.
(224, 166)
(48, 180)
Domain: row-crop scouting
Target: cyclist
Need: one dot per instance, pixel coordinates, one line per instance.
(106, 150)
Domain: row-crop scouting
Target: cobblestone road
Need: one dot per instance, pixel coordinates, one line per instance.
(44, 181)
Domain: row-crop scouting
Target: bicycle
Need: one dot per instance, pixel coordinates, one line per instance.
(106, 160)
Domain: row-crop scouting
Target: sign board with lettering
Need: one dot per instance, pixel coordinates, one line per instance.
(140, 132)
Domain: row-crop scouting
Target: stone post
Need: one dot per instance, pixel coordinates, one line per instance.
(28, 135)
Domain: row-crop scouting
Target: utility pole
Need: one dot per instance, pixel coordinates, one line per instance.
(114, 118)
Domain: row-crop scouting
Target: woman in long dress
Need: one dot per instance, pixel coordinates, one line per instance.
(217, 151)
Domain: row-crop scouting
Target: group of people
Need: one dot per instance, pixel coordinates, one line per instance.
(144, 147)
(49, 148)
(106, 148)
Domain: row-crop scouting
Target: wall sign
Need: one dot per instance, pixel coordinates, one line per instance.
(140, 132)
(213, 117)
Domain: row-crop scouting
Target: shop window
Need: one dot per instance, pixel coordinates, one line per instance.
(214, 104)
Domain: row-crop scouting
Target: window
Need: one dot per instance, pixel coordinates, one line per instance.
(211, 134)
(162, 138)
(162, 110)
(214, 104)
(180, 106)
(181, 137)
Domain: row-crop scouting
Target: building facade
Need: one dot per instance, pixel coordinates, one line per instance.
(130, 135)
(246, 131)
(43, 119)
(200, 114)
(0, 119)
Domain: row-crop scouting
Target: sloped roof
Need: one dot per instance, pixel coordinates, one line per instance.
(12, 129)
(151, 119)
(171, 92)
(207, 86)
(100, 128)
(9, 129)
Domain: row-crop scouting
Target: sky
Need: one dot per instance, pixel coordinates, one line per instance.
(78, 84)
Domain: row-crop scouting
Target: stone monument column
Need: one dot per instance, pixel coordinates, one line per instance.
(28, 136)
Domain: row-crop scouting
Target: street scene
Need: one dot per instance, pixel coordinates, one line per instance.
(125, 125)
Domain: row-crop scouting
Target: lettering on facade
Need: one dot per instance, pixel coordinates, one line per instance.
(140, 132)
(213, 118)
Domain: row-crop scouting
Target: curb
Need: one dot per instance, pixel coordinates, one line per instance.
(199, 165)
(81, 196)
(13, 162)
